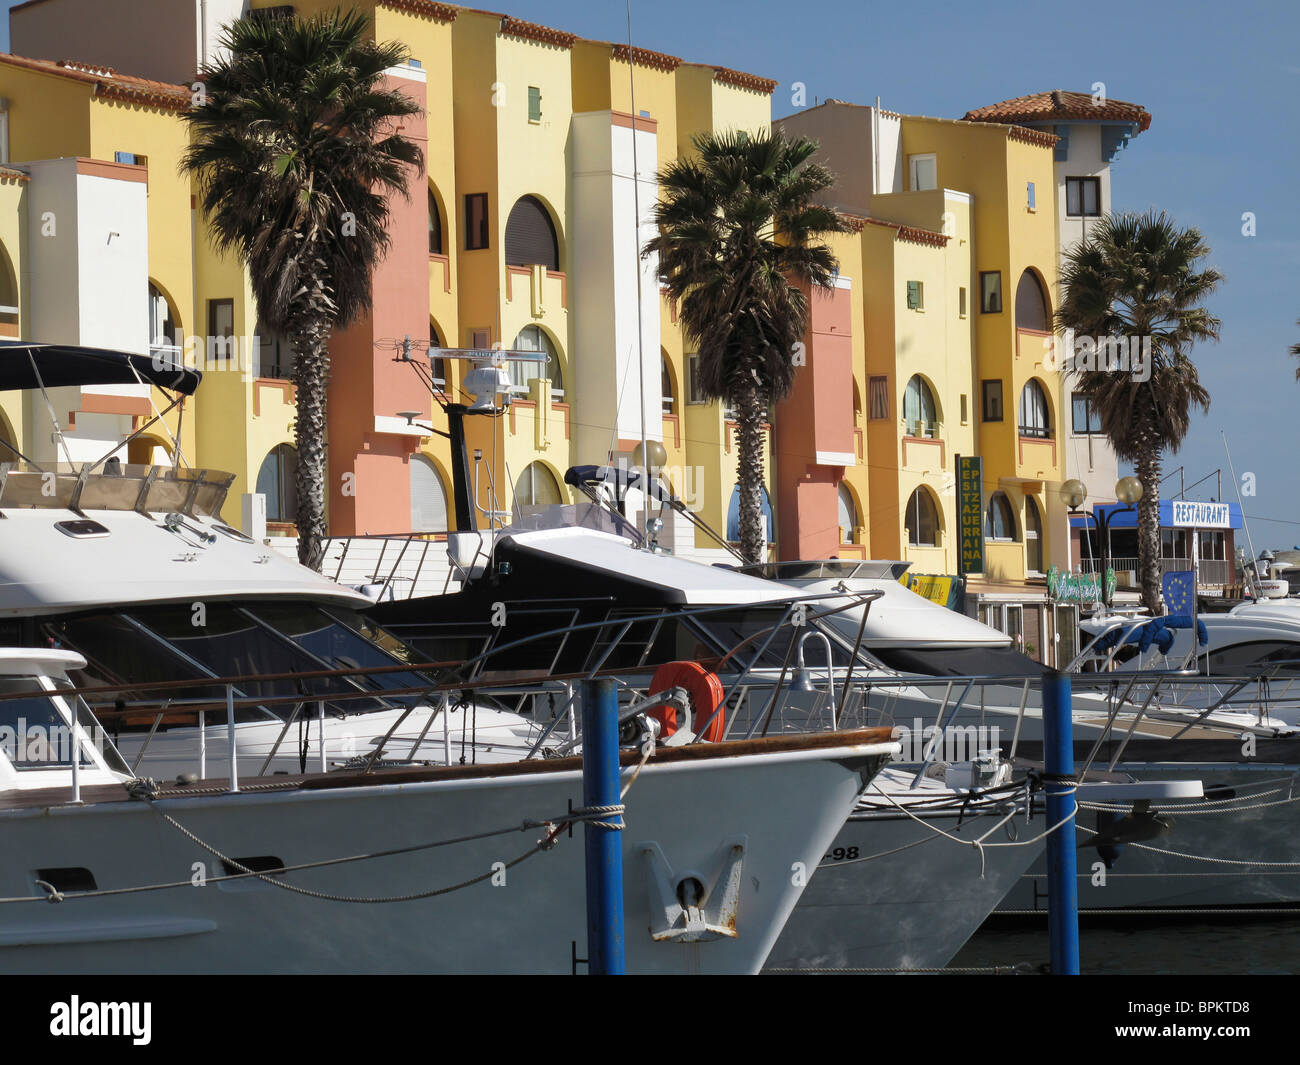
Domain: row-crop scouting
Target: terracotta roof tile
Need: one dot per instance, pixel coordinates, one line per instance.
(441, 12)
(514, 27)
(1059, 103)
(744, 81)
(108, 83)
(901, 232)
(644, 58)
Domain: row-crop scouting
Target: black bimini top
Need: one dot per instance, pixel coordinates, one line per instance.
(25, 364)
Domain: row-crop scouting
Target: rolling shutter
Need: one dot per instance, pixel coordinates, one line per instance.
(530, 236)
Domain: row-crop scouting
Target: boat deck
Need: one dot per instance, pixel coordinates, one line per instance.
(99, 794)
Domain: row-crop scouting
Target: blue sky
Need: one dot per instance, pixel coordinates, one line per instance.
(1221, 82)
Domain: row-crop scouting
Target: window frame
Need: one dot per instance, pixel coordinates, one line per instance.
(914, 533)
(922, 157)
(482, 232)
(985, 301)
(1030, 429)
(988, 387)
(1090, 413)
(1009, 514)
(1081, 183)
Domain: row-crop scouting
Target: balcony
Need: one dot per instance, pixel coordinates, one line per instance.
(1210, 572)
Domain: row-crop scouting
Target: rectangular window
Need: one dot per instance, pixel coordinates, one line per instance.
(992, 400)
(878, 398)
(124, 157)
(964, 417)
(1083, 197)
(961, 301)
(221, 330)
(1029, 195)
(693, 394)
(916, 295)
(990, 291)
(924, 172)
(476, 221)
(1087, 421)
(534, 104)
(480, 339)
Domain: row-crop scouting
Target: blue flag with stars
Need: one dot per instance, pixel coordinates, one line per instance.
(1179, 589)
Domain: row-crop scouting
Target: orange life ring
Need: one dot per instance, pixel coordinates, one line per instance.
(705, 691)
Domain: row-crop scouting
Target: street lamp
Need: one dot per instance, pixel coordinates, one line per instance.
(1073, 493)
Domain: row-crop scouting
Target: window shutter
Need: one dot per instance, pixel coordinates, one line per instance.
(913, 295)
(534, 104)
(1031, 195)
(530, 236)
(428, 497)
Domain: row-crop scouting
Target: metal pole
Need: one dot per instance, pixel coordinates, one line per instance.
(320, 735)
(1058, 767)
(230, 736)
(600, 787)
(203, 747)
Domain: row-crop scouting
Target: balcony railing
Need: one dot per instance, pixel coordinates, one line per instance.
(1209, 571)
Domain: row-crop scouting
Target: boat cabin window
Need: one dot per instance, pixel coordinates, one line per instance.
(33, 734)
(157, 644)
(959, 661)
(1250, 657)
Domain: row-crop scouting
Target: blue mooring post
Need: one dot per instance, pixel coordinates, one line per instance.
(1062, 882)
(604, 848)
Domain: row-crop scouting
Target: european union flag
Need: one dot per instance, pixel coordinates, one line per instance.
(1179, 590)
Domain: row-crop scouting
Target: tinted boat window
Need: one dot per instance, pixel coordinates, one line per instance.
(1244, 657)
(959, 662)
(33, 734)
(752, 626)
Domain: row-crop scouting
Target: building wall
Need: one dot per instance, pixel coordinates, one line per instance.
(109, 32)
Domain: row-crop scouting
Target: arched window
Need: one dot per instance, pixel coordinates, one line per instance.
(1035, 419)
(534, 338)
(1000, 519)
(537, 486)
(428, 497)
(275, 355)
(666, 384)
(919, 409)
(733, 516)
(848, 514)
(530, 235)
(1031, 304)
(922, 519)
(435, 226)
(1033, 537)
(162, 323)
(277, 481)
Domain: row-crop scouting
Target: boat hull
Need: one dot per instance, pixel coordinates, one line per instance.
(781, 801)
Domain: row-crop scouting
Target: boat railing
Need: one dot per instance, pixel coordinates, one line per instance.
(758, 700)
(121, 487)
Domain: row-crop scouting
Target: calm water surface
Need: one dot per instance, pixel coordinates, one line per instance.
(1243, 945)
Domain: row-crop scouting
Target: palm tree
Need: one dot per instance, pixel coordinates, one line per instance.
(1138, 276)
(294, 151)
(739, 235)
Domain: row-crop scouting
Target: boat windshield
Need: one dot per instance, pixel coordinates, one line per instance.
(266, 642)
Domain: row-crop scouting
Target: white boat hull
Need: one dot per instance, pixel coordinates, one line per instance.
(911, 909)
(783, 806)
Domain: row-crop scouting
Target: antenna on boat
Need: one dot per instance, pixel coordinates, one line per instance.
(636, 232)
(1244, 524)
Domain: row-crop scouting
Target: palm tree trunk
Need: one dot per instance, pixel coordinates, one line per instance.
(1147, 468)
(749, 430)
(311, 375)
